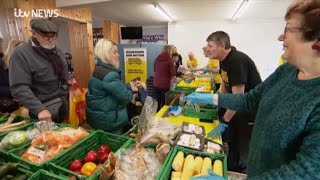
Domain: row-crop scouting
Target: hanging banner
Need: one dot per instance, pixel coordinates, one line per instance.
(135, 64)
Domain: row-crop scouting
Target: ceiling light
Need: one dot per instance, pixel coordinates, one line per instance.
(240, 9)
(163, 12)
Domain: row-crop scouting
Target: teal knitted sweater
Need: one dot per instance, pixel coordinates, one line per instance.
(285, 142)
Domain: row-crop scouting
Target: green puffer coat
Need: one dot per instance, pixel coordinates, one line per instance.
(107, 99)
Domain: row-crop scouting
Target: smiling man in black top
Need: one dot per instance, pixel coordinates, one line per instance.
(239, 75)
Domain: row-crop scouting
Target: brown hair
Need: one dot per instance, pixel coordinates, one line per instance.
(13, 43)
(220, 37)
(310, 10)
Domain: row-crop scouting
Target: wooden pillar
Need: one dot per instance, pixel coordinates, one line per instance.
(110, 30)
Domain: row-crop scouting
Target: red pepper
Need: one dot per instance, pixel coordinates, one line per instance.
(75, 165)
(103, 158)
(103, 149)
(91, 156)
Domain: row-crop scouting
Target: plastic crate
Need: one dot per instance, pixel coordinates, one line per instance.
(166, 172)
(170, 95)
(18, 119)
(60, 165)
(207, 113)
(14, 155)
(2, 118)
(20, 171)
(5, 153)
(186, 87)
(45, 175)
(153, 147)
(134, 129)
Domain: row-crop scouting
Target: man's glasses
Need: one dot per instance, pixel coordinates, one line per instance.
(291, 29)
(48, 36)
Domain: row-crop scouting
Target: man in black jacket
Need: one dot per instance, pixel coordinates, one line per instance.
(239, 74)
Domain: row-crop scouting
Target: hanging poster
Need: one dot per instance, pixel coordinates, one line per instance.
(135, 64)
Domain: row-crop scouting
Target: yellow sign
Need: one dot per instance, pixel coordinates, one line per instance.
(135, 64)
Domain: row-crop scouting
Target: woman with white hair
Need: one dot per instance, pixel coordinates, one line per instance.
(107, 95)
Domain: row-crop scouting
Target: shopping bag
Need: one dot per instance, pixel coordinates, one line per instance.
(77, 105)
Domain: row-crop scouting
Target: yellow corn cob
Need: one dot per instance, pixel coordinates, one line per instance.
(178, 161)
(205, 165)
(198, 165)
(175, 174)
(218, 167)
(188, 168)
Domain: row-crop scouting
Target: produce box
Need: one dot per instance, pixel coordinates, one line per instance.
(60, 165)
(13, 171)
(42, 175)
(15, 154)
(206, 113)
(193, 128)
(134, 129)
(22, 127)
(3, 117)
(153, 147)
(166, 172)
(186, 87)
(170, 95)
(189, 140)
(212, 147)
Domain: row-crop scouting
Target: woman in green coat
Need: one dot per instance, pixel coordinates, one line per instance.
(107, 95)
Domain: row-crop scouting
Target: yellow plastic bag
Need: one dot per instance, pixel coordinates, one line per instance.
(77, 106)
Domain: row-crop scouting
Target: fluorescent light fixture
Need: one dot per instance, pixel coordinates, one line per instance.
(240, 9)
(163, 12)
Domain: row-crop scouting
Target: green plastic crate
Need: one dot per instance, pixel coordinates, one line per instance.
(2, 118)
(165, 174)
(153, 147)
(19, 171)
(169, 96)
(14, 155)
(45, 175)
(24, 128)
(185, 89)
(134, 129)
(207, 113)
(18, 119)
(60, 165)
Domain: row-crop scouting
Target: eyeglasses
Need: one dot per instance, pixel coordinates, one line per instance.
(47, 37)
(291, 29)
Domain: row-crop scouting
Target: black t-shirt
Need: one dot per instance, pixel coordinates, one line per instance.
(238, 68)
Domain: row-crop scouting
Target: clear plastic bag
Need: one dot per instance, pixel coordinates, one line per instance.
(148, 112)
(40, 127)
(159, 131)
(136, 163)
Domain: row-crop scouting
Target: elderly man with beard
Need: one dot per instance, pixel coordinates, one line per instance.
(38, 73)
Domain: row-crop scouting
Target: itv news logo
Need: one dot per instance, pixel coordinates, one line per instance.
(44, 13)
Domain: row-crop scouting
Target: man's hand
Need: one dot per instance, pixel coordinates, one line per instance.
(44, 115)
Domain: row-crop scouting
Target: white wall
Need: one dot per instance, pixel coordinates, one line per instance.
(258, 39)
